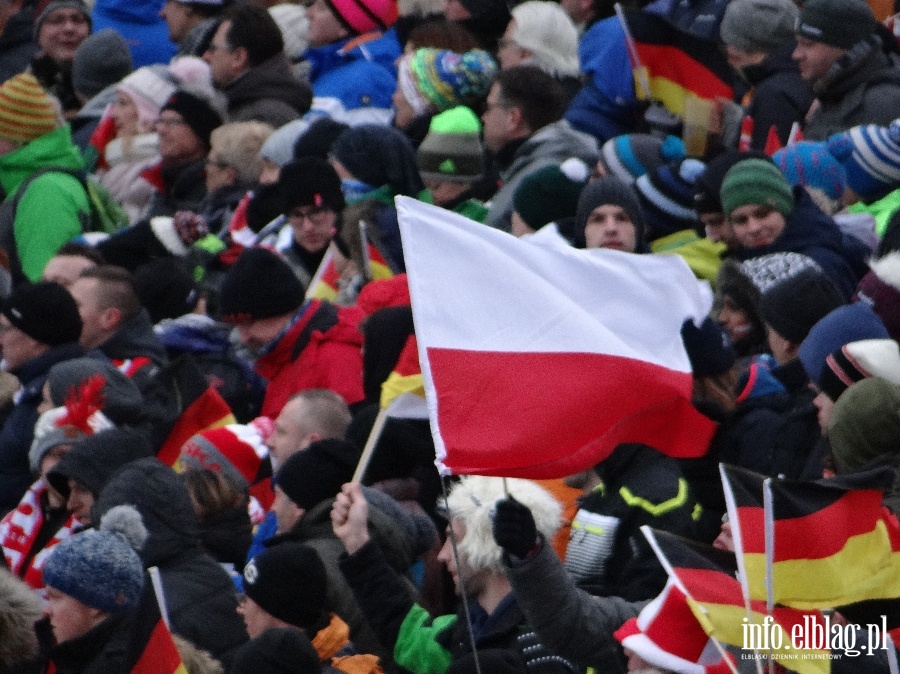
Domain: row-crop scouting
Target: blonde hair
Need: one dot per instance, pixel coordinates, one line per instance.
(237, 144)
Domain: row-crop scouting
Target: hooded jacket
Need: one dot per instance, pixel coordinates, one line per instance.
(268, 93)
(199, 593)
(20, 607)
(139, 22)
(53, 209)
(136, 350)
(552, 144)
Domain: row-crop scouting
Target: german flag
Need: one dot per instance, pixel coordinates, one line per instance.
(324, 285)
(152, 647)
(707, 577)
(677, 65)
(403, 392)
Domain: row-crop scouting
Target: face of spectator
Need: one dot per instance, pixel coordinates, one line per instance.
(717, 229)
(125, 115)
(17, 347)
(97, 322)
(782, 350)
(403, 111)
(497, 119)
(179, 19)
(64, 269)
(465, 578)
(824, 408)
(62, 32)
(224, 62)
(257, 334)
(80, 502)
(324, 26)
(287, 513)
(313, 227)
(218, 173)
(69, 618)
(178, 144)
(815, 58)
(733, 320)
(610, 226)
(756, 225)
(509, 53)
(290, 434)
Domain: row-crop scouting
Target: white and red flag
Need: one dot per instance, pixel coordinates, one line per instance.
(538, 360)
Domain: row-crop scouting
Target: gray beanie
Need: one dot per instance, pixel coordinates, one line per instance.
(100, 61)
(61, 4)
(759, 25)
(608, 190)
(122, 400)
(279, 147)
(840, 23)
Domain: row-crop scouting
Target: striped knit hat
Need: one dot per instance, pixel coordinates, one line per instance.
(436, 79)
(26, 111)
(364, 16)
(860, 360)
(237, 451)
(667, 197)
(871, 157)
(631, 155)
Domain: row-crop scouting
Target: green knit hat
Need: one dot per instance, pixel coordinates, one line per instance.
(452, 149)
(840, 23)
(865, 424)
(756, 181)
(551, 193)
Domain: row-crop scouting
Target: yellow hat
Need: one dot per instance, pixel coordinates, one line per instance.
(26, 110)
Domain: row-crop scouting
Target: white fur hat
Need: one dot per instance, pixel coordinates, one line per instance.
(544, 29)
(294, 26)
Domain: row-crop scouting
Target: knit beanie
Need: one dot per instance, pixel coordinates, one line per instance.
(608, 190)
(707, 189)
(93, 460)
(54, 428)
(259, 285)
(294, 26)
(364, 16)
(880, 289)
(811, 165)
(279, 147)
(839, 23)
(437, 79)
(849, 323)
(279, 650)
(61, 4)
(865, 424)
(318, 472)
(288, 580)
(379, 155)
(238, 451)
(100, 567)
(317, 140)
(148, 90)
(632, 155)
(100, 61)
(44, 311)
(759, 25)
(708, 349)
(122, 400)
(551, 193)
(793, 306)
(197, 113)
(26, 111)
(768, 271)
(667, 197)
(544, 29)
(452, 149)
(756, 181)
(860, 360)
(871, 158)
(310, 181)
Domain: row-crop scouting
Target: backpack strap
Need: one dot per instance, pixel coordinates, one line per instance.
(325, 318)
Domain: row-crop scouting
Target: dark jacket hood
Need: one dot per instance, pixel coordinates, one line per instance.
(136, 338)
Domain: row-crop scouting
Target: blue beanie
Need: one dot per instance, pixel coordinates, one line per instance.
(100, 567)
(849, 323)
(812, 165)
(871, 157)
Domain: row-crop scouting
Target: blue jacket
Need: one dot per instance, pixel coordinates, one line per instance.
(139, 23)
(353, 80)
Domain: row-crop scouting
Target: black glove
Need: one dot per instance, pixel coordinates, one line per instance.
(514, 528)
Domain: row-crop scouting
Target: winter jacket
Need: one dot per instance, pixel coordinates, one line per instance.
(331, 358)
(552, 144)
(18, 422)
(20, 607)
(425, 644)
(226, 536)
(353, 80)
(607, 553)
(139, 22)
(53, 209)
(810, 232)
(568, 620)
(199, 594)
(17, 45)
(779, 96)
(178, 188)
(268, 93)
(127, 159)
(862, 87)
(104, 649)
(136, 350)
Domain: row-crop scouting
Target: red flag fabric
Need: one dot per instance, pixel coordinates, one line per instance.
(539, 359)
(773, 142)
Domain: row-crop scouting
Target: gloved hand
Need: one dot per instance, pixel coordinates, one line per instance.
(514, 528)
(190, 227)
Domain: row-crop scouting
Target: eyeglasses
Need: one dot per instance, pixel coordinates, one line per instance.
(491, 106)
(212, 48)
(170, 121)
(318, 218)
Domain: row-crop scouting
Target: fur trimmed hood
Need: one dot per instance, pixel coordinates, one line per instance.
(20, 607)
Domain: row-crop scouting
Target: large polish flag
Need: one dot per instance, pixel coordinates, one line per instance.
(539, 359)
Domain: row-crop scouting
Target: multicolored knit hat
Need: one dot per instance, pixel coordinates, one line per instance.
(364, 16)
(667, 197)
(237, 451)
(812, 165)
(26, 111)
(632, 155)
(756, 181)
(452, 149)
(857, 361)
(437, 79)
(551, 193)
(871, 157)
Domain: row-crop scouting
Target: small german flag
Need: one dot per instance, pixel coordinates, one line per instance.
(403, 392)
(152, 647)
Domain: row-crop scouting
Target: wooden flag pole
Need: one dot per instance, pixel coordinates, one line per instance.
(369, 449)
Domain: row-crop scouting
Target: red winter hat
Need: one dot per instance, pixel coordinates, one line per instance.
(364, 16)
(237, 451)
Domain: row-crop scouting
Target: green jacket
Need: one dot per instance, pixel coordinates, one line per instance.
(470, 208)
(882, 210)
(54, 206)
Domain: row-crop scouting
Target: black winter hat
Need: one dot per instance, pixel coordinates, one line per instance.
(92, 460)
(310, 181)
(197, 113)
(318, 138)
(259, 285)
(289, 581)
(707, 348)
(46, 312)
(318, 472)
(608, 190)
(793, 306)
(379, 155)
(280, 650)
